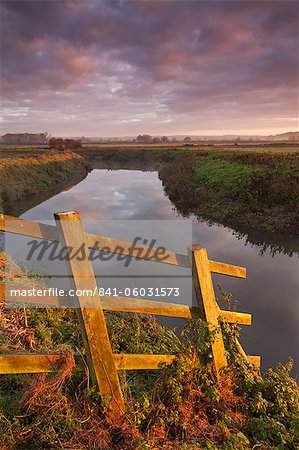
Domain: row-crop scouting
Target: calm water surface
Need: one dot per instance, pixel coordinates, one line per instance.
(271, 290)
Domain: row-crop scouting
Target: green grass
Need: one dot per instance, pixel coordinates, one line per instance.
(27, 176)
(260, 191)
(221, 148)
(223, 175)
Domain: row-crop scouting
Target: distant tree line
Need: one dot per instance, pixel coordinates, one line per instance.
(74, 144)
(148, 139)
(64, 144)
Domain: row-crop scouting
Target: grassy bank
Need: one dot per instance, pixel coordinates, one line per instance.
(259, 191)
(180, 407)
(33, 174)
(254, 187)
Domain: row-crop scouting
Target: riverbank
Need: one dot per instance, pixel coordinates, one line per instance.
(36, 176)
(259, 191)
(244, 187)
(257, 188)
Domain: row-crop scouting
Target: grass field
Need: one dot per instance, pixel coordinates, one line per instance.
(11, 151)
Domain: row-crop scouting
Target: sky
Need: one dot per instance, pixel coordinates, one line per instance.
(124, 67)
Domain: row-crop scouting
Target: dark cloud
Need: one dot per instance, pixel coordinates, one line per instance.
(155, 65)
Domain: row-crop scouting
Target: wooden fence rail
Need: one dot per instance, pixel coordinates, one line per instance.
(103, 364)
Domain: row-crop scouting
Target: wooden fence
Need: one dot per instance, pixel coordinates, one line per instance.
(102, 363)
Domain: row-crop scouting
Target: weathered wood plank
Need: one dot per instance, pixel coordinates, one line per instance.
(51, 363)
(30, 363)
(255, 361)
(206, 300)
(235, 317)
(141, 306)
(49, 232)
(91, 316)
(227, 269)
(142, 362)
(27, 228)
(139, 251)
(41, 231)
(137, 305)
(124, 304)
(241, 350)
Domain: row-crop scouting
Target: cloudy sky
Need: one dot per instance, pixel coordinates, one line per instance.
(124, 67)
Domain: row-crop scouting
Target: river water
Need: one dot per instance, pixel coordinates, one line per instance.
(270, 292)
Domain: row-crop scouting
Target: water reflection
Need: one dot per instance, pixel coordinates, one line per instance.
(271, 290)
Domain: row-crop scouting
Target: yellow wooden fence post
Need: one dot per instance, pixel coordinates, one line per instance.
(208, 308)
(96, 339)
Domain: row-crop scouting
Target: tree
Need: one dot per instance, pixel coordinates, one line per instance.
(187, 139)
(72, 144)
(156, 140)
(144, 139)
(164, 139)
(56, 143)
(64, 144)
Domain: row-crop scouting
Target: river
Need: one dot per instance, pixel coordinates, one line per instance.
(270, 292)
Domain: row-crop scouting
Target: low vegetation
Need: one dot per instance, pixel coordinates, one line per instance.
(182, 406)
(254, 190)
(30, 175)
